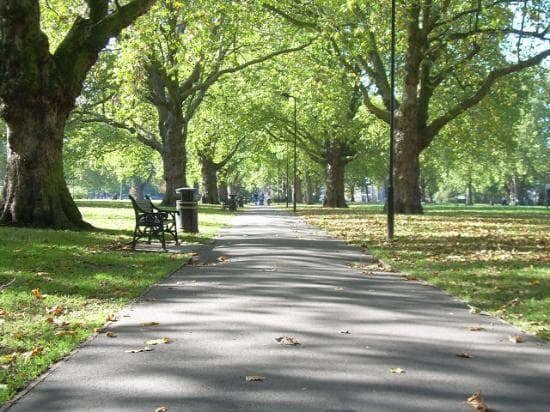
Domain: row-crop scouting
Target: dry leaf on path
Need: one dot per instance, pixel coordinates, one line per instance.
(345, 332)
(339, 289)
(409, 277)
(464, 355)
(515, 339)
(145, 349)
(398, 371)
(223, 259)
(477, 402)
(110, 318)
(158, 341)
(161, 409)
(287, 340)
(150, 323)
(110, 335)
(255, 378)
(475, 328)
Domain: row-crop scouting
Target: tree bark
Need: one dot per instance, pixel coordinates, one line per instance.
(35, 192)
(309, 189)
(298, 194)
(335, 193)
(407, 174)
(222, 189)
(209, 181)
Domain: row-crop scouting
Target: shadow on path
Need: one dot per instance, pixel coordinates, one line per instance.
(282, 277)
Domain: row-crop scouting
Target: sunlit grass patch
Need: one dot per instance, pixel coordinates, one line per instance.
(58, 286)
(495, 258)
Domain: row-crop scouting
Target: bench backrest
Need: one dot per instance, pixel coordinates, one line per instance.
(141, 206)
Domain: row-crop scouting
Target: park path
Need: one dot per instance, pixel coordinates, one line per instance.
(282, 277)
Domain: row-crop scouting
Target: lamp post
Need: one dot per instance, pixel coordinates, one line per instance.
(391, 211)
(287, 188)
(289, 96)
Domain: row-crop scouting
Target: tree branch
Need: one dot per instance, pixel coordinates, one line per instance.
(79, 49)
(483, 90)
(144, 136)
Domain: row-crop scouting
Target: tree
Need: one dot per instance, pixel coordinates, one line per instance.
(38, 91)
(452, 53)
(183, 52)
(329, 131)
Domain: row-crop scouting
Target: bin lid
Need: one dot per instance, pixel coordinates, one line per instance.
(183, 189)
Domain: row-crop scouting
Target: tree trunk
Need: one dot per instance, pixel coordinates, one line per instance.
(407, 172)
(209, 181)
(335, 193)
(298, 194)
(137, 188)
(173, 131)
(309, 189)
(352, 192)
(470, 193)
(35, 192)
(222, 189)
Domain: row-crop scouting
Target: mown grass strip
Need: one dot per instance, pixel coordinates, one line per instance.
(495, 258)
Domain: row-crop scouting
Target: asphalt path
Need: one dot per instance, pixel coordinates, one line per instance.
(270, 275)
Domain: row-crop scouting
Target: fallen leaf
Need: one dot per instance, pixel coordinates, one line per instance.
(44, 275)
(477, 402)
(515, 339)
(397, 371)
(64, 332)
(345, 332)
(8, 359)
(474, 309)
(57, 310)
(35, 352)
(110, 318)
(150, 323)
(464, 355)
(110, 335)
(60, 323)
(409, 277)
(145, 349)
(475, 328)
(3, 312)
(158, 341)
(254, 378)
(534, 283)
(287, 340)
(99, 330)
(222, 259)
(37, 294)
(161, 409)
(339, 289)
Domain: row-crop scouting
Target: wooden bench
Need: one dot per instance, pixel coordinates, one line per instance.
(153, 222)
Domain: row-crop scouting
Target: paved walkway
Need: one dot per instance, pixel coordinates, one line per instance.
(282, 277)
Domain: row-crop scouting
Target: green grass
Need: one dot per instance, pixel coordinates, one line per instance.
(59, 286)
(493, 257)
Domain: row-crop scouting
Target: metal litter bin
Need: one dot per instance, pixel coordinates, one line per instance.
(187, 220)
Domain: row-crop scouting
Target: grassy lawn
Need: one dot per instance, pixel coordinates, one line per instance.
(59, 286)
(495, 258)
